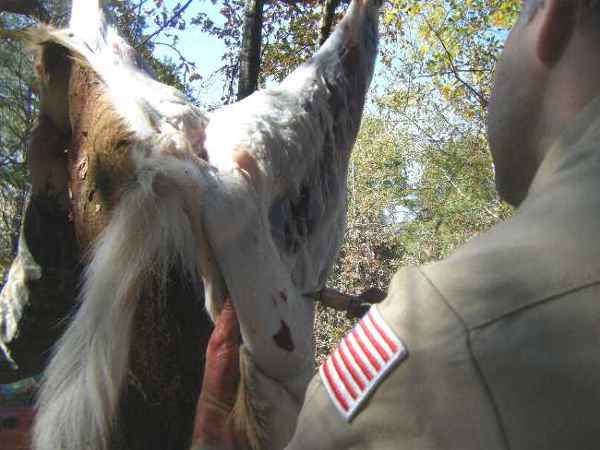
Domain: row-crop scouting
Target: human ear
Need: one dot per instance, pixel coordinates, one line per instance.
(557, 24)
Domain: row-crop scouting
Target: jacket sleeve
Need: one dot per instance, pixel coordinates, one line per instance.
(433, 399)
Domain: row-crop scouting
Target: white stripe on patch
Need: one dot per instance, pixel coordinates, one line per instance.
(362, 360)
(374, 357)
(351, 364)
(344, 372)
(373, 329)
(360, 356)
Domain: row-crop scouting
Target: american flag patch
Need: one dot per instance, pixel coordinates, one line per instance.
(363, 358)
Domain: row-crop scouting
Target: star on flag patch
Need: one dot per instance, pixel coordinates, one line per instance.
(361, 361)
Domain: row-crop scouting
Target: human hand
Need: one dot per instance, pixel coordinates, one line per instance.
(213, 428)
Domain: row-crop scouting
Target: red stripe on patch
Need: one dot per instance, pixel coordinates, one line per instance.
(374, 342)
(383, 334)
(342, 377)
(350, 368)
(334, 388)
(366, 351)
(365, 370)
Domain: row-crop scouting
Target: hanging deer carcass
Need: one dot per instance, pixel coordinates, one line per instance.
(170, 204)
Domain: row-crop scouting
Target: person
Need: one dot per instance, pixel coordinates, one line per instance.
(495, 347)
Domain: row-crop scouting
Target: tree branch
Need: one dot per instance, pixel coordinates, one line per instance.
(166, 24)
(464, 195)
(482, 100)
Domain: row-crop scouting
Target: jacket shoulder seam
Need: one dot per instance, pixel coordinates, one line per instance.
(534, 304)
(486, 387)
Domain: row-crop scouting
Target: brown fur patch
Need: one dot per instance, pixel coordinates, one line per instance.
(171, 326)
(100, 144)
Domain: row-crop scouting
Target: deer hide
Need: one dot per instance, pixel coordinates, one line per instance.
(169, 201)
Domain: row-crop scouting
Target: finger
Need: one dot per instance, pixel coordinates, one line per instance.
(227, 330)
(222, 356)
(221, 378)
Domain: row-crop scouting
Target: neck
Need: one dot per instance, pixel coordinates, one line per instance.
(571, 85)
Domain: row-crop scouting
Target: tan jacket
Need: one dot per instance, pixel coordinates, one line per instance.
(503, 338)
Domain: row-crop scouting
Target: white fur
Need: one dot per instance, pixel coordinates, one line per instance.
(14, 297)
(147, 234)
(150, 230)
(180, 211)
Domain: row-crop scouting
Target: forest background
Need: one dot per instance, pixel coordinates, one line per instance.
(421, 176)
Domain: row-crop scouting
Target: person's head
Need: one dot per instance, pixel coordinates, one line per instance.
(548, 73)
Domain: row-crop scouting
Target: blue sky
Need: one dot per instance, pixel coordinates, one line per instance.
(204, 50)
(207, 51)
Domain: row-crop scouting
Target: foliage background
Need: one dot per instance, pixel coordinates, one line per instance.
(421, 177)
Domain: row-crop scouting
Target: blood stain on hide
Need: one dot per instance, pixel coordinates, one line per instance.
(283, 338)
(283, 296)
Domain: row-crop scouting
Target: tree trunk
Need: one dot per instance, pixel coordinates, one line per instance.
(327, 20)
(251, 48)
